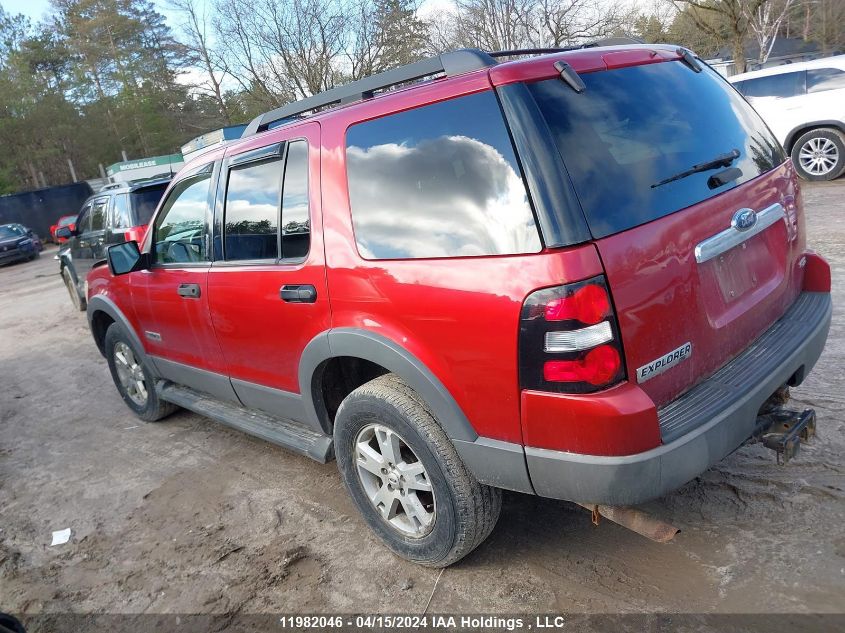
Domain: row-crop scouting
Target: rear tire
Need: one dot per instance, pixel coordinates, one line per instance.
(76, 299)
(132, 376)
(819, 154)
(406, 478)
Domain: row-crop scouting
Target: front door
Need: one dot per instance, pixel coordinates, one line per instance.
(88, 246)
(173, 311)
(267, 286)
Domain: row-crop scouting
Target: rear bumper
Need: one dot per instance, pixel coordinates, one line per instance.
(700, 428)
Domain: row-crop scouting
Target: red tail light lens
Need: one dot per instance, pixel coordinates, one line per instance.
(569, 339)
(598, 367)
(589, 304)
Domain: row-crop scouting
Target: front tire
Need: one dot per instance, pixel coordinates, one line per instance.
(132, 376)
(819, 154)
(76, 299)
(406, 478)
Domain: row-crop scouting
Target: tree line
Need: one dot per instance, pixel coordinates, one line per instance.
(98, 78)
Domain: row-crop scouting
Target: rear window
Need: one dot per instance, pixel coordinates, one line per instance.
(441, 180)
(635, 127)
(145, 201)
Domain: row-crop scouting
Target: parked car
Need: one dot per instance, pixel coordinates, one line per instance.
(119, 212)
(804, 105)
(581, 275)
(65, 220)
(18, 242)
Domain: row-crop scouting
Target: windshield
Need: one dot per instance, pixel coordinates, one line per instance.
(145, 201)
(635, 127)
(9, 230)
(68, 219)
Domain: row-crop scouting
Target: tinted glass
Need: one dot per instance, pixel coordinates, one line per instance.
(145, 201)
(180, 228)
(120, 212)
(783, 85)
(821, 79)
(438, 181)
(634, 127)
(252, 211)
(98, 214)
(83, 223)
(296, 225)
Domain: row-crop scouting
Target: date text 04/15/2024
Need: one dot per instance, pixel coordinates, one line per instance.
(423, 622)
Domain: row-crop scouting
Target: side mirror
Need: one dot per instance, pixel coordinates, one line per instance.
(64, 232)
(125, 258)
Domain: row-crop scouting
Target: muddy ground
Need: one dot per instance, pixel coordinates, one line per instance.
(185, 516)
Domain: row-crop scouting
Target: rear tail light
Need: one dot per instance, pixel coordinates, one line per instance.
(569, 339)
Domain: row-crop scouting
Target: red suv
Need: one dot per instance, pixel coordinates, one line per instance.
(581, 275)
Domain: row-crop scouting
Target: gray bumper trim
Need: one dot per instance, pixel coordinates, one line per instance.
(638, 478)
(496, 463)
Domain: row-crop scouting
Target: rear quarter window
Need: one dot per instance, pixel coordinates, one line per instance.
(823, 79)
(440, 180)
(634, 127)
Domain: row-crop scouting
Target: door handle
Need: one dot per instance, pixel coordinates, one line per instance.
(299, 293)
(191, 291)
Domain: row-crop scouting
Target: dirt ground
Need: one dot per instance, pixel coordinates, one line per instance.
(185, 516)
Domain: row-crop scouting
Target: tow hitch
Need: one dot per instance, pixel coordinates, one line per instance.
(783, 430)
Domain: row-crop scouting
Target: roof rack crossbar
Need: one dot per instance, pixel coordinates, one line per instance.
(451, 63)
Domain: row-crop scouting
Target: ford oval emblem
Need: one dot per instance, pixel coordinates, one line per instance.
(744, 219)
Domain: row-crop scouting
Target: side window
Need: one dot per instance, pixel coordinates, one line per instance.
(441, 180)
(98, 214)
(251, 222)
(821, 79)
(83, 221)
(120, 212)
(782, 85)
(180, 227)
(296, 222)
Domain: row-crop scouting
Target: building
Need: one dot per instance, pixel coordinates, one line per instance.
(203, 143)
(145, 168)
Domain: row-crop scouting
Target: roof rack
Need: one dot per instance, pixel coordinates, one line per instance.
(608, 41)
(451, 63)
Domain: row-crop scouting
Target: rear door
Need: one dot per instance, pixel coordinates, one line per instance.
(267, 286)
(698, 264)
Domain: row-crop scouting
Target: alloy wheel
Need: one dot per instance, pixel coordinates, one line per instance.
(818, 156)
(395, 480)
(130, 373)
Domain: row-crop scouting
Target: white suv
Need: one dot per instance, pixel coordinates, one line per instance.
(804, 105)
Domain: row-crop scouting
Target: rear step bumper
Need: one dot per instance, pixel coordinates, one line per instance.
(723, 418)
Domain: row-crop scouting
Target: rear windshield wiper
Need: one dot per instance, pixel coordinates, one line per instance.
(723, 160)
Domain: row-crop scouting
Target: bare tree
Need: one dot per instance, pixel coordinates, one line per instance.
(730, 13)
(195, 30)
(562, 23)
(765, 24)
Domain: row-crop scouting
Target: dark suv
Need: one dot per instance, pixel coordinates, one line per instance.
(119, 212)
(581, 275)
